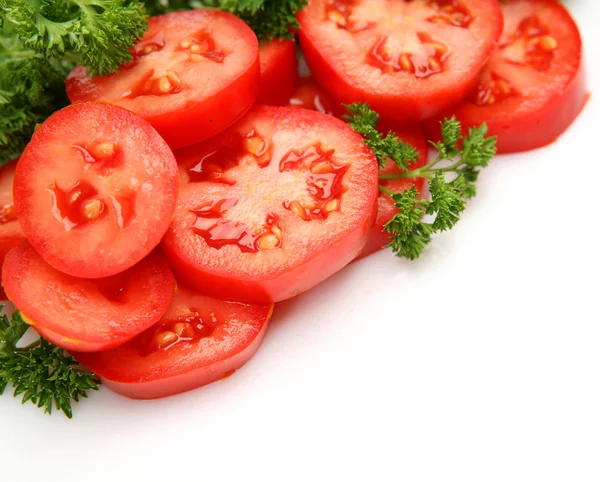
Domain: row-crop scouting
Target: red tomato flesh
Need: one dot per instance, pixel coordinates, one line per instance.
(193, 75)
(95, 190)
(534, 85)
(378, 238)
(87, 315)
(10, 230)
(273, 206)
(408, 59)
(278, 72)
(309, 95)
(198, 341)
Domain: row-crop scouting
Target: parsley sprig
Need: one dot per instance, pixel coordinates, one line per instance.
(268, 18)
(40, 373)
(452, 176)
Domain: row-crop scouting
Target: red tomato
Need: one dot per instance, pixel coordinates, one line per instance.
(10, 231)
(193, 75)
(378, 238)
(408, 60)
(198, 341)
(82, 314)
(95, 190)
(310, 96)
(534, 85)
(278, 72)
(273, 206)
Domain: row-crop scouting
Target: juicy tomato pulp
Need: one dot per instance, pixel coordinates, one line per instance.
(409, 59)
(10, 231)
(95, 190)
(87, 315)
(193, 75)
(198, 341)
(310, 96)
(278, 72)
(273, 206)
(378, 238)
(534, 85)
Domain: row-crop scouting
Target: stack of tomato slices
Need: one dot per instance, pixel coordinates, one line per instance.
(154, 222)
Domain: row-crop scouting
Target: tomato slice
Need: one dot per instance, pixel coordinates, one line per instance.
(409, 59)
(82, 314)
(273, 206)
(198, 341)
(193, 75)
(534, 85)
(95, 190)
(309, 95)
(378, 238)
(10, 230)
(278, 72)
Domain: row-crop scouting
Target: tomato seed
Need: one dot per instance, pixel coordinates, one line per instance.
(548, 43)
(268, 241)
(165, 338)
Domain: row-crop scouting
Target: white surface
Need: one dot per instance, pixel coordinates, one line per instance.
(480, 362)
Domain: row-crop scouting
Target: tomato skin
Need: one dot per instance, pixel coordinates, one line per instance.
(408, 102)
(11, 233)
(304, 259)
(140, 370)
(87, 315)
(378, 238)
(134, 216)
(278, 71)
(184, 119)
(538, 119)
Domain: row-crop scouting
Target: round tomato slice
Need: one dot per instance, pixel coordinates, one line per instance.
(10, 230)
(278, 72)
(193, 75)
(198, 341)
(534, 85)
(310, 96)
(408, 59)
(378, 238)
(95, 190)
(82, 314)
(273, 206)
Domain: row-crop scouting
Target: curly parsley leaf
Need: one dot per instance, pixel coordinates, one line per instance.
(450, 184)
(364, 121)
(41, 373)
(98, 34)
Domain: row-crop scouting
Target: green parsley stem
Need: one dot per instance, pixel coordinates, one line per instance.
(385, 190)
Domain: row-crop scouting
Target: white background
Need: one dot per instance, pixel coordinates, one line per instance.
(480, 362)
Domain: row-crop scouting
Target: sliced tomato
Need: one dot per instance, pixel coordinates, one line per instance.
(82, 314)
(409, 59)
(378, 238)
(95, 190)
(193, 75)
(534, 85)
(273, 206)
(278, 71)
(198, 341)
(10, 230)
(309, 95)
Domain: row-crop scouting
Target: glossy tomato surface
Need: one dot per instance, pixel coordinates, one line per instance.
(272, 207)
(278, 71)
(198, 341)
(386, 210)
(95, 190)
(82, 314)
(193, 75)
(309, 95)
(10, 231)
(408, 59)
(534, 85)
